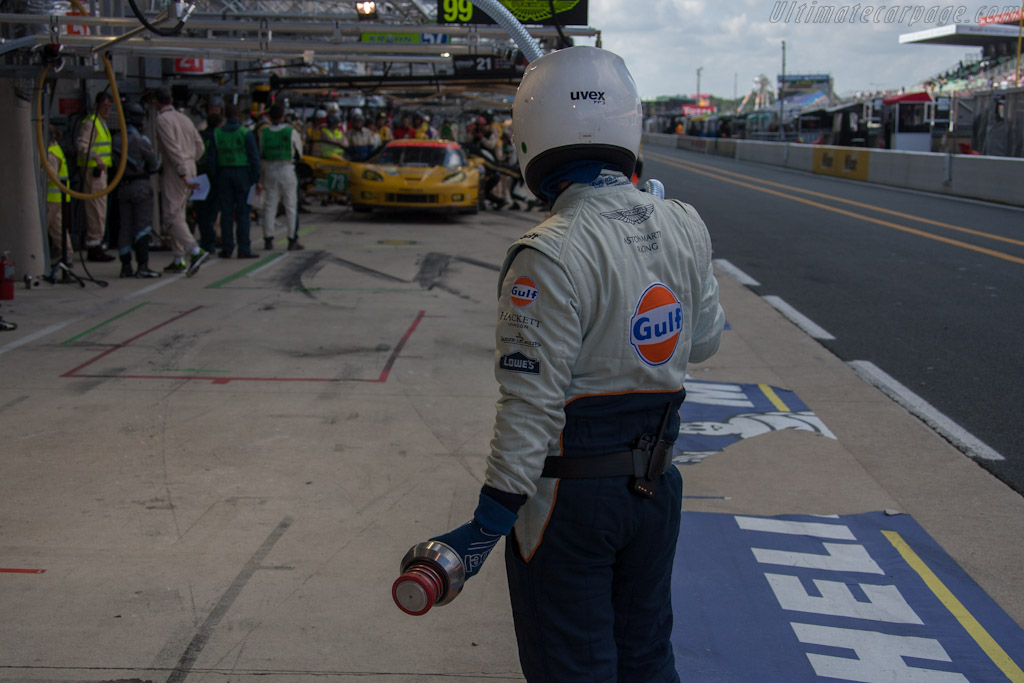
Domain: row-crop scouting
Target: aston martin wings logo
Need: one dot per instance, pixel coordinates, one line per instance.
(536, 11)
(634, 216)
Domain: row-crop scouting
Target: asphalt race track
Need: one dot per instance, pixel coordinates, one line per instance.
(926, 288)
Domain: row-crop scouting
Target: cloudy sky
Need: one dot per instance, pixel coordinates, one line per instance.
(664, 42)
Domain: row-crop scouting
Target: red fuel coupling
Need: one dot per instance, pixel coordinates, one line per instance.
(432, 574)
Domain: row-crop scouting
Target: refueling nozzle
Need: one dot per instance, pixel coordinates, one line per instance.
(432, 574)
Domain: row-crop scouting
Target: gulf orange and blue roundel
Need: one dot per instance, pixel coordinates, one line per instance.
(655, 326)
(524, 291)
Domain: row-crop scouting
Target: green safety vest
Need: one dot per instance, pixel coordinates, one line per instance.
(100, 143)
(231, 147)
(53, 193)
(276, 145)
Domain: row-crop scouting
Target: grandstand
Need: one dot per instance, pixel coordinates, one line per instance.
(975, 106)
(982, 73)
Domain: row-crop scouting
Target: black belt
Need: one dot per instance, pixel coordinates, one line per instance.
(645, 463)
(633, 463)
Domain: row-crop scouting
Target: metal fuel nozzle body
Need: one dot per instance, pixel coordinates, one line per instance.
(432, 574)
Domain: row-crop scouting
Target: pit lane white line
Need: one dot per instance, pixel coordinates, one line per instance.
(926, 412)
(971, 445)
(798, 318)
(736, 273)
(70, 321)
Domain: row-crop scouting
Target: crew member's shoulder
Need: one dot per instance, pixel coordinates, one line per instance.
(548, 235)
(679, 205)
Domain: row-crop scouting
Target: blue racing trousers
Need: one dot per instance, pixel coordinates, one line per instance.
(593, 604)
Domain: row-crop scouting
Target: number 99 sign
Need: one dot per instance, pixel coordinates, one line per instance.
(566, 12)
(455, 11)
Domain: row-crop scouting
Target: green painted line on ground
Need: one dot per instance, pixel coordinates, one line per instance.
(309, 230)
(109, 320)
(244, 271)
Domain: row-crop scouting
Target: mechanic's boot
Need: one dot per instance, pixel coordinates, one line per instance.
(144, 272)
(176, 267)
(196, 260)
(97, 255)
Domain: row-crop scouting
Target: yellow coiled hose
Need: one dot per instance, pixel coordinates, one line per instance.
(42, 147)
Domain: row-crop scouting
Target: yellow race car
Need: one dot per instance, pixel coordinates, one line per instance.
(432, 175)
(326, 177)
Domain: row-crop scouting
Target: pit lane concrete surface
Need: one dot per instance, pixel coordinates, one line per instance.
(215, 478)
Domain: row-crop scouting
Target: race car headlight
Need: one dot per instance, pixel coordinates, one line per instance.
(456, 177)
(370, 174)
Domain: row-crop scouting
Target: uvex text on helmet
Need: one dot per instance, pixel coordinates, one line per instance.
(575, 104)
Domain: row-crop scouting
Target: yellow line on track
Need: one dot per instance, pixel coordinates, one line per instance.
(774, 398)
(987, 643)
(688, 166)
(899, 214)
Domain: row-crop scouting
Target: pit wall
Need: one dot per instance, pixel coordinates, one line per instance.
(994, 179)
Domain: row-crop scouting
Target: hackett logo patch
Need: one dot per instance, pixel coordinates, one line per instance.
(655, 326)
(520, 362)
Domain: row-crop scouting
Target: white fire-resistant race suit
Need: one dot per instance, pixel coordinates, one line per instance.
(600, 309)
(587, 308)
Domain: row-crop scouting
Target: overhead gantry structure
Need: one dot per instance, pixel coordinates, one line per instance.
(332, 41)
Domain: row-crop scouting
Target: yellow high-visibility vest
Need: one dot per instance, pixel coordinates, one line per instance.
(100, 143)
(331, 141)
(53, 193)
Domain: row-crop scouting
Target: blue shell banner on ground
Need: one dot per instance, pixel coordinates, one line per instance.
(798, 598)
(718, 414)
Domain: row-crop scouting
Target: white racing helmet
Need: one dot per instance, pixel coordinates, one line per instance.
(575, 104)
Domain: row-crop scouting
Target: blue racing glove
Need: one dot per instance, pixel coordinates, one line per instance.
(475, 539)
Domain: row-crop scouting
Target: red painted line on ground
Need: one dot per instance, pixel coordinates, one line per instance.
(398, 349)
(21, 571)
(225, 380)
(218, 380)
(73, 373)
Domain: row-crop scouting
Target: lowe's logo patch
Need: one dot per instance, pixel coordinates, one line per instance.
(592, 95)
(520, 362)
(655, 326)
(524, 291)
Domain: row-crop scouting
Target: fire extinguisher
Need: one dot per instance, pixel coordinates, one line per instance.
(432, 574)
(6, 277)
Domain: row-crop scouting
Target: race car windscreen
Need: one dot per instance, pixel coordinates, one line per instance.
(420, 156)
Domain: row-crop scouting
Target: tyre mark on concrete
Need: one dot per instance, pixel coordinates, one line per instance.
(202, 636)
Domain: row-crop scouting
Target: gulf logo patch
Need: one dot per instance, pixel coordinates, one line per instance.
(655, 326)
(524, 291)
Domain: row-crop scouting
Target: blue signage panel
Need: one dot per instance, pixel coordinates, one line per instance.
(799, 598)
(718, 414)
